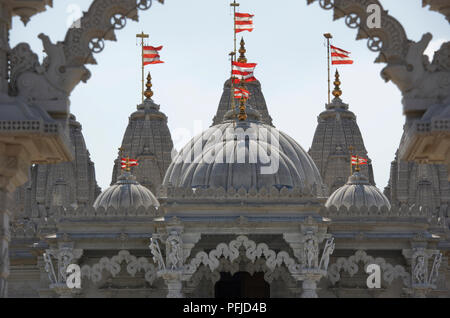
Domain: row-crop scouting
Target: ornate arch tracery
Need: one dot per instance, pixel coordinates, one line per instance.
(350, 265)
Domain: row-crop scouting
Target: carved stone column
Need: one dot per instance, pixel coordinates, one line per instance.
(305, 245)
(425, 265)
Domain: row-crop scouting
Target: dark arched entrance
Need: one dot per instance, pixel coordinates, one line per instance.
(242, 285)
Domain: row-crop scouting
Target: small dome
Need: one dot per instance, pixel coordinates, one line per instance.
(358, 192)
(126, 193)
(247, 154)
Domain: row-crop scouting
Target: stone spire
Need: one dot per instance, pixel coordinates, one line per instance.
(338, 136)
(422, 185)
(147, 138)
(63, 184)
(256, 100)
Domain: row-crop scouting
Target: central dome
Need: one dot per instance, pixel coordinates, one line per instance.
(243, 154)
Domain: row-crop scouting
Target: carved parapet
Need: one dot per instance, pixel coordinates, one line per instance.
(403, 211)
(69, 213)
(264, 194)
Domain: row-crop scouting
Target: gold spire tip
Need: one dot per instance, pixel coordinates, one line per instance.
(242, 50)
(337, 89)
(148, 92)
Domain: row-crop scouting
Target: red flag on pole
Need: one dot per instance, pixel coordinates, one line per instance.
(243, 71)
(243, 22)
(241, 93)
(340, 56)
(126, 162)
(358, 160)
(150, 55)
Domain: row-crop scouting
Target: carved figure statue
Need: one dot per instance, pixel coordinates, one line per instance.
(156, 252)
(419, 272)
(311, 253)
(174, 252)
(327, 251)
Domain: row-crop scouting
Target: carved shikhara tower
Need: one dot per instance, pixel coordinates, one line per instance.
(336, 132)
(147, 138)
(67, 184)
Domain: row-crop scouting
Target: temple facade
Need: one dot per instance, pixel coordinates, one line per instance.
(242, 210)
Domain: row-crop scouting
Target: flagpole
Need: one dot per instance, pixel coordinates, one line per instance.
(142, 36)
(328, 36)
(351, 157)
(233, 54)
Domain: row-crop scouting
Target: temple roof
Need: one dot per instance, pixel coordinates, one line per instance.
(148, 139)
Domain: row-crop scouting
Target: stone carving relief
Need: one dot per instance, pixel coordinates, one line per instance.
(231, 252)
(421, 276)
(56, 262)
(350, 265)
(113, 266)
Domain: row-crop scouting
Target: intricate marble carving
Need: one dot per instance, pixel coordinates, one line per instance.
(350, 265)
(113, 267)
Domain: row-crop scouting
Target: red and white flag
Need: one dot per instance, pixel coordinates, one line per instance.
(340, 56)
(241, 93)
(130, 162)
(243, 71)
(151, 55)
(244, 22)
(358, 160)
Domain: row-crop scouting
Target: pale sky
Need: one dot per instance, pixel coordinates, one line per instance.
(197, 36)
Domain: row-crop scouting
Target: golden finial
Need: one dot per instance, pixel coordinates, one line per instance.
(337, 90)
(242, 113)
(242, 50)
(148, 92)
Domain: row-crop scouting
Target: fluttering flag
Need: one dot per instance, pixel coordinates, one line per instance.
(150, 55)
(126, 162)
(243, 71)
(241, 93)
(340, 56)
(244, 22)
(358, 160)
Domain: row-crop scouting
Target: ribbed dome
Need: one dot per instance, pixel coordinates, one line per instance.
(126, 193)
(359, 193)
(245, 154)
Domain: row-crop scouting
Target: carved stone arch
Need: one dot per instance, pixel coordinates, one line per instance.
(242, 264)
(350, 265)
(231, 251)
(113, 266)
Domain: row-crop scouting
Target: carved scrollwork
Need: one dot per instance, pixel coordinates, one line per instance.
(231, 252)
(144, 4)
(375, 44)
(96, 45)
(113, 266)
(353, 20)
(326, 4)
(118, 21)
(350, 265)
